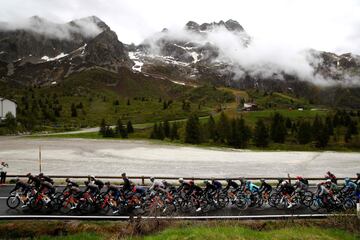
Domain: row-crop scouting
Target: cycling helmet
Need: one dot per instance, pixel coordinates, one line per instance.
(347, 180)
(91, 176)
(107, 183)
(181, 180)
(41, 174)
(299, 177)
(152, 179)
(358, 174)
(123, 174)
(164, 182)
(206, 181)
(228, 180)
(280, 180)
(262, 180)
(28, 175)
(67, 180)
(191, 182)
(328, 181)
(17, 179)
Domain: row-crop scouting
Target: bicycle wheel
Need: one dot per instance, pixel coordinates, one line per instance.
(307, 198)
(13, 202)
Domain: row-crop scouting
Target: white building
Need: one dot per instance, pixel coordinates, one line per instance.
(6, 106)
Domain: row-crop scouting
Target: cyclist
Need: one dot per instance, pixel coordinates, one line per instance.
(331, 176)
(251, 187)
(114, 193)
(349, 187)
(156, 185)
(34, 180)
(48, 190)
(168, 187)
(23, 186)
(231, 184)
(69, 184)
(127, 186)
(97, 182)
(45, 178)
(357, 181)
(184, 186)
(287, 190)
(92, 189)
(265, 189)
(217, 184)
(209, 188)
(195, 191)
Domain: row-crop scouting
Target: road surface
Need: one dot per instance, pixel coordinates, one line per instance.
(142, 158)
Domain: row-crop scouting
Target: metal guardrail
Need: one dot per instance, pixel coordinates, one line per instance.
(143, 178)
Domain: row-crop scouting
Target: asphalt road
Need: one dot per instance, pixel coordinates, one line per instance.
(229, 211)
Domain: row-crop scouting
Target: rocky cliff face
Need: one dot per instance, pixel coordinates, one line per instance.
(41, 52)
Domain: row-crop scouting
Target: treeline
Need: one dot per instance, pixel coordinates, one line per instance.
(164, 130)
(278, 129)
(120, 129)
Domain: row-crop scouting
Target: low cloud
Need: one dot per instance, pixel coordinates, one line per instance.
(85, 26)
(260, 59)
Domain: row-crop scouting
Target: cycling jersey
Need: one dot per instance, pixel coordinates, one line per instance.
(34, 180)
(252, 187)
(24, 187)
(126, 185)
(99, 183)
(114, 190)
(265, 187)
(232, 184)
(209, 188)
(217, 184)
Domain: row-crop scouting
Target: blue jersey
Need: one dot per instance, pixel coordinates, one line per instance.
(252, 187)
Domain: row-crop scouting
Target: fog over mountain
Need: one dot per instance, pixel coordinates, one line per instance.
(86, 26)
(249, 56)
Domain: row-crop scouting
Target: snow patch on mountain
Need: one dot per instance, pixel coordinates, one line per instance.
(61, 55)
(134, 56)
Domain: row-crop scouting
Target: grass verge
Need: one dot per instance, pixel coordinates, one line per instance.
(330, 228)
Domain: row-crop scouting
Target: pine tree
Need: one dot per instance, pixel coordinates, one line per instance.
(192, 130)
(73, 111)
(154, 133)
(120, 129)
(223, 128)
(166, 129)
(320, 133)
(288, 123)
(261, 134)
(329, 125)
(211, 129)
(304, 133)
(129, 127)
(278, 129)
(160, 133)
(102, 127)
(10, 122)
(244, 131)
(174, 135)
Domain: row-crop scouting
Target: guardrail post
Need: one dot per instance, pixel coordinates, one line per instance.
(142, 180)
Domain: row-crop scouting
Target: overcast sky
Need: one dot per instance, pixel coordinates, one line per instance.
(330, 25)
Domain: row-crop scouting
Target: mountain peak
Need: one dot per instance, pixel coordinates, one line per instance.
(91, 20)
(230, 25)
